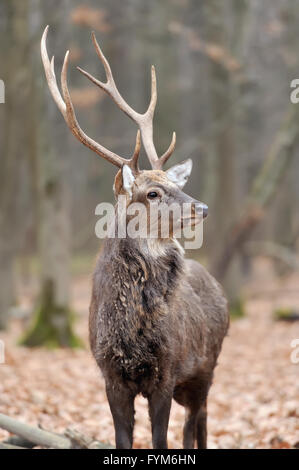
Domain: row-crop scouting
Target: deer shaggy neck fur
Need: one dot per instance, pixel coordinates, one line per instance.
(132, 322)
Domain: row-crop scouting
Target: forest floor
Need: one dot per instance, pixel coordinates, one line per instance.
(253, 403)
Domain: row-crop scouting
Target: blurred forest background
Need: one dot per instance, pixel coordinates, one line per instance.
(224, 70)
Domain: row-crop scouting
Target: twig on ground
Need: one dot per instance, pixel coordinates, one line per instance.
(27, 437)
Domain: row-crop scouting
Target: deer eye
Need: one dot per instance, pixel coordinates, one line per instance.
(152, 195)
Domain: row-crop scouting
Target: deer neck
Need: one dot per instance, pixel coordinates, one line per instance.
(157, 249)
(148, 272)
(137, 288)
(141, 280)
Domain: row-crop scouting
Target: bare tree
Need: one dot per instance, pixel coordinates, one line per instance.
(262, 193)
(14, 140)
(52, 320)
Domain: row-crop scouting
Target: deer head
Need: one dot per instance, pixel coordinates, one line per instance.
(145, 186)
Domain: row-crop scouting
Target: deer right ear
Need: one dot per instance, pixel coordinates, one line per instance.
(180, 173)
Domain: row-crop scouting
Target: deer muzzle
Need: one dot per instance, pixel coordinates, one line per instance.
(201, 209)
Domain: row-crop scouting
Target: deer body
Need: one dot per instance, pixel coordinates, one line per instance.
(158, 332)
(157, 321)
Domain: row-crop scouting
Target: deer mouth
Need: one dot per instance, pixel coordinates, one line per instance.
(199, 213)
(191, 221)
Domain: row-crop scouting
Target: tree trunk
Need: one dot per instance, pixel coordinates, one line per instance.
(13, 141)
(261, 194)
(7, 283)
(222, 191)
(52, 321)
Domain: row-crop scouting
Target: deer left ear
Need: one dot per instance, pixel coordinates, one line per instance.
(180, 173)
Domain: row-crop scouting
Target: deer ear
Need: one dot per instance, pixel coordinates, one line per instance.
(128, 180)
(180, 173)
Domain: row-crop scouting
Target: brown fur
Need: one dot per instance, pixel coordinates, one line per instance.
(157, 322)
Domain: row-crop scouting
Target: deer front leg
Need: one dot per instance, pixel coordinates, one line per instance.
(159, 410)
(189, 429)
(202, 426)
(121, 403)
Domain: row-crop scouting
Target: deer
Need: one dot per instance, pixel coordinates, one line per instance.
(156, 319)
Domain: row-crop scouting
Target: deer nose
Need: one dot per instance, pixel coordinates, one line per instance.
(201, 209)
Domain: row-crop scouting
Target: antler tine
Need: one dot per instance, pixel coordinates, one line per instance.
(50, 74)
(67, 110)
(146, 124)
(109, 87)
(169, 151)
(144, 121)
(152, 106)
(135, 157)
(102, 57)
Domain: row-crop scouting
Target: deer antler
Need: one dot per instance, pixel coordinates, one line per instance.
(66, 108)
(144, 121)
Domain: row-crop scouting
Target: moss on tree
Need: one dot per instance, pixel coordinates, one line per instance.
(237, 309)
(285, 314)
(52, 325)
